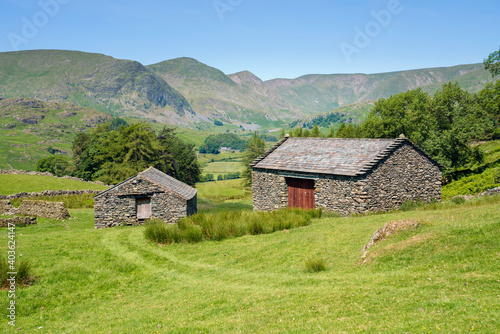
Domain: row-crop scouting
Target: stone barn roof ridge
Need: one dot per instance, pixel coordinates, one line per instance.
(336, 156)
(163, 180)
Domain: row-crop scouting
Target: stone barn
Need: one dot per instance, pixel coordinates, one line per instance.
(343, 175)
(149, 194)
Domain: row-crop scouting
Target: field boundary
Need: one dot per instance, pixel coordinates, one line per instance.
(50, 193)
(23, 172)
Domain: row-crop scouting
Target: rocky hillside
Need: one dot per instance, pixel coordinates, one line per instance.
(101, 82)
(31, 129)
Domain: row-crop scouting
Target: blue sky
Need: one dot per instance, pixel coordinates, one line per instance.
(272, 38)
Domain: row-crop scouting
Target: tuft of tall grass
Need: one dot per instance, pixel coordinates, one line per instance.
(412, 205)
(228, 224)
(24, 272)
(314, 265)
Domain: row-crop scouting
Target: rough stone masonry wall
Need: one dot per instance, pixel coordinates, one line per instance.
(406, 174)
(6, 207)
(342, 194)
(269, 191)
(118, 205)
(18, 221)
(46, 209)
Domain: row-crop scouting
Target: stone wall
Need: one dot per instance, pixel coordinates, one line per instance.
(55, 210)
(50, 193)
(405, 174)
(19, 172)
(18, 221)
(6, 207)
(118, 205)
(269, 190)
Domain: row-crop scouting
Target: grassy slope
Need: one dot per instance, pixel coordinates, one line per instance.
(484, 176)
(12, 184)
(23, 144)
(441, 278)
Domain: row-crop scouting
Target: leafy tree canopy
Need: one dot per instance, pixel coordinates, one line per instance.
(492, 63)
(255, 147)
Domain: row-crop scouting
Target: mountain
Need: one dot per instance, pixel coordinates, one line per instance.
(186, 92)
(238, 98)
(94, 80)
(244, 97)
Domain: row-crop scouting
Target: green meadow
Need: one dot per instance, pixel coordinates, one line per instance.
(441, 277)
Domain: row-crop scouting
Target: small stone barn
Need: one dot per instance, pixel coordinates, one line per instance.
(343, 175)
(149, 194)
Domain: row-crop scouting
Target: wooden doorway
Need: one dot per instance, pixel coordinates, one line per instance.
(301, 193)
(143, 207)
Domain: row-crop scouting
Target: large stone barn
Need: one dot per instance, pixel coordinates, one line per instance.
(343, 175)
(149, 194)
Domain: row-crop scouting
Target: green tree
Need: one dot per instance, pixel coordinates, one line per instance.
(331, 134)
(256, 146)
(492, 63)
(181, 155)
(315, 132)
(57, 164)
(306, 133)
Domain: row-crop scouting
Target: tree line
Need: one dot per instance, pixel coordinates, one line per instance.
(444, 125)
(116, 151)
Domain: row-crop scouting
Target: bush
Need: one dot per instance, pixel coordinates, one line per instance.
(315, 265)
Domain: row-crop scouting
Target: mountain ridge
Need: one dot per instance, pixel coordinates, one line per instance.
(184, 91)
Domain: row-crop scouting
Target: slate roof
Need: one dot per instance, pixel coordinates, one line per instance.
(337, 156)
(163, 180)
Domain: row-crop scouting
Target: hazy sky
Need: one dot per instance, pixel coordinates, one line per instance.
(271, 38)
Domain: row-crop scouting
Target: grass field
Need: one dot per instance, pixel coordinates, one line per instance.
(13, 184)
(441, 278)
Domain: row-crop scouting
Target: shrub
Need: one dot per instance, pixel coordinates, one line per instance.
(315, 265)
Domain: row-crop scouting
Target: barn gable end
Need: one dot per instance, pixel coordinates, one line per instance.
(149, 194)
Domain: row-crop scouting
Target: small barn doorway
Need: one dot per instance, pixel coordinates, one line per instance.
(143, 207)
(300, 193)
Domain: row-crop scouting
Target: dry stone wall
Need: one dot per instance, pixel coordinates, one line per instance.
(22, 172)
(50, 193)
(6, 207)
(55, 210)
(18, 221)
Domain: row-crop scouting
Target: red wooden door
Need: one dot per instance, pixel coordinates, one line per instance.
(301, 194)
(143, 208)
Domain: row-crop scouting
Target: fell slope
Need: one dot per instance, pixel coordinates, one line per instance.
(87, 79)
